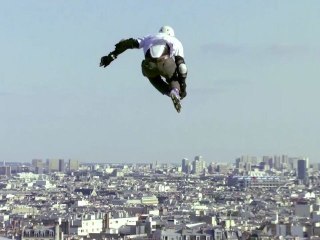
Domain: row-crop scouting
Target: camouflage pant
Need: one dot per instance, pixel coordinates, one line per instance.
(154, 70)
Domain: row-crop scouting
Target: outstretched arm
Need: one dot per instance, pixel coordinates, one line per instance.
(120, 47)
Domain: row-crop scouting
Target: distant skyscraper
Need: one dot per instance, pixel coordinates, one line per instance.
(316, 166)
(73, 165)
(212, 168)
(277, 162)
(53, 165)
(185, 165)
(285, 159)
(248, 166)
(198, 165)
(302, 169)
(245, 162)
(268, 161)
(240, 164)
(62, 165)
(38, 165)
(265, 159)
(5, 171)
(293, 162)
(285, 163)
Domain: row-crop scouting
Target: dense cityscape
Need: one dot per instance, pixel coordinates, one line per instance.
(268, 197)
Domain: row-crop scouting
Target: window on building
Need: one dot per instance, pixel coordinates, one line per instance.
(27, 234)
(218, 236)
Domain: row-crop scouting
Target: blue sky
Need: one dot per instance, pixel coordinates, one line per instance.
(253, 83)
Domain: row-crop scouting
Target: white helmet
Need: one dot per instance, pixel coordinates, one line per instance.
(168, 30)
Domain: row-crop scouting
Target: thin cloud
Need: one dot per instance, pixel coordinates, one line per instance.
(205, 91)
(222, 85)
(5, 93)
(288, 50)
(221, 48)
(274, 49)
(232, 82)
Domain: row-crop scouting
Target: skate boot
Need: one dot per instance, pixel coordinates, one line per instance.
(174, 95)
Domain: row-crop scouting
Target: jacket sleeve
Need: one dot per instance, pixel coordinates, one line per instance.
(124, 45)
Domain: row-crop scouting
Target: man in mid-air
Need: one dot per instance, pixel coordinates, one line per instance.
(163, 65)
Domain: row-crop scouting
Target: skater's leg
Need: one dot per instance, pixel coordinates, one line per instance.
(160, 85)
(173, 84)
(167, 68)
(175, 97)
(151, 71)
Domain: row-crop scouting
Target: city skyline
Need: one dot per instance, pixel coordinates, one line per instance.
(177, 161)
(252, 83)
(183, 162)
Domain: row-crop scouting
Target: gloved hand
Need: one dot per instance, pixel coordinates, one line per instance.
(106, 60)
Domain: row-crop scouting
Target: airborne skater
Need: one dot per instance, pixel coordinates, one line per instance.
(163, 65)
